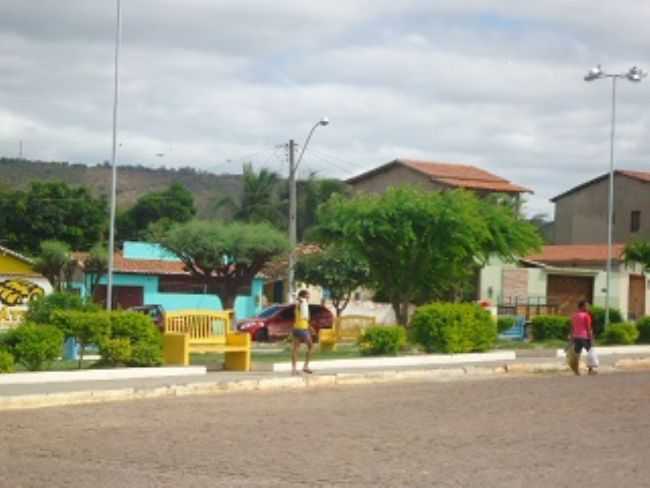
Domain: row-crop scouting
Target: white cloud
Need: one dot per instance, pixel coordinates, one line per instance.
(210, 83)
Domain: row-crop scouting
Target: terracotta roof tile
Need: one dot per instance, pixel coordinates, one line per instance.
(639, 175)
(141, 266)
(455, 175)
(577, 254)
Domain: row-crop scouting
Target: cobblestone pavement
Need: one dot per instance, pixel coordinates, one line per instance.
(546, 431)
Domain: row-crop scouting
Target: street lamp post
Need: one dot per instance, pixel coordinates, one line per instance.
(634, 74)
(111, 231)
(293, 168)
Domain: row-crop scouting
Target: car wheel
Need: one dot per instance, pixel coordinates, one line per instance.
(262, 335)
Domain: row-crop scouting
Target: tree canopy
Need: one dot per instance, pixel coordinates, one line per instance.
(51, 211)
(420, 245)
(54, 262)
(638, 252)
(158, 209)
(335, 269)
(227, 256)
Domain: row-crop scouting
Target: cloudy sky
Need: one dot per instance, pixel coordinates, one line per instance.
(212, 83)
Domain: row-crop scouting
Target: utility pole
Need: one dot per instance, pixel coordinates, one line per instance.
(292, 219)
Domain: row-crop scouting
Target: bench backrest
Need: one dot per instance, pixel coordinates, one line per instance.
(350, 327)
(200, 325)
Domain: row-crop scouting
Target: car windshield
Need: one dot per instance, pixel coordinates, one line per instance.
(269, 311)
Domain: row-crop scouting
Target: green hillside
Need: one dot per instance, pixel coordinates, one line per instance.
(132, 181)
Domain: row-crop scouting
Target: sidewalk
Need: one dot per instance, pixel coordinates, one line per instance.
(58, 394)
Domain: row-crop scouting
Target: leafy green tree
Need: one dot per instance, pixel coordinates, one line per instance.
(260, 200)
(419, 245)
(54, 262)
(86, 327)
(335, 269)
(51, 211)
(95, 266)
(226, 256)
(311, 194)
(175, 204)
(638, 252)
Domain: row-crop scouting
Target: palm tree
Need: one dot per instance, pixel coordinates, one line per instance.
(260, 201)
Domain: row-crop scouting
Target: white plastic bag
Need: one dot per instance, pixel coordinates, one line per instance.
(592, 358)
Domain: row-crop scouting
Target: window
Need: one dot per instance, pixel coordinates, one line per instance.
(635, 221)
(180, 284)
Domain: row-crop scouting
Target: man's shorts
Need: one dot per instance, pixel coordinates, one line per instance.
(302, 335)
(580, 343)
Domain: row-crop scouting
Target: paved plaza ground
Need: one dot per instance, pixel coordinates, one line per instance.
(544, 431)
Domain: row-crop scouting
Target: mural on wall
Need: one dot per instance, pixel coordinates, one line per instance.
(15, 294)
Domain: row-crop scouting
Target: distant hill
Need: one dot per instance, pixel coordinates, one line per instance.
(132, 181)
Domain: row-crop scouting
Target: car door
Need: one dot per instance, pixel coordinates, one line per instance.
(280, 325)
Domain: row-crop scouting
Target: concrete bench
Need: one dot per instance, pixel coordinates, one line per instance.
(197, 331)
(346, 329)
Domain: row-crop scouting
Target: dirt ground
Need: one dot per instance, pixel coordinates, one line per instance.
(550, 431)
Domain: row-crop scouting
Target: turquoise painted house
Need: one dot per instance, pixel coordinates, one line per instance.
(147, 274)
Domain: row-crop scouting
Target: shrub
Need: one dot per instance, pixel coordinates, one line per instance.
(598, 315)
(116, 351)
(505, 323)
(643, 326)
(6, 362)
(378, 340)
(452, 327)
(35, 346)
(143, 335)
(86, 327)
(40, 310)
(550, 327)
(624, 334)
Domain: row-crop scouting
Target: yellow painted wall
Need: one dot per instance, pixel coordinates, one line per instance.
(12, 265)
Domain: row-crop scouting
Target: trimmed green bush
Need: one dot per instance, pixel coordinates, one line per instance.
(643, 326)
(86, 327)
(454, 327)
(598, 315)
(116, 352)
(6, 362)
(34, 346)
(622, 334)
(550, 327)
(40, 310)
(379, 340)
(143, 335)
(505, 323)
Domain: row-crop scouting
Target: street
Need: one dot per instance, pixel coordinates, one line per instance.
(544, 431)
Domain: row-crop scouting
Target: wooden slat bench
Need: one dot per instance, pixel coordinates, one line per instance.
(346, 329)
(199, 331)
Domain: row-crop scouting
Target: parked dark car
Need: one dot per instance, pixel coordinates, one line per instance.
(156, 312)
(275, 322)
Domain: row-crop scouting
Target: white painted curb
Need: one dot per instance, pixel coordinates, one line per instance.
(99, 375)
(611, 350)
(402, 361)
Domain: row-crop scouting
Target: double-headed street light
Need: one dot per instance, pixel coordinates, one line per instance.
(293, 168)
(634, 74)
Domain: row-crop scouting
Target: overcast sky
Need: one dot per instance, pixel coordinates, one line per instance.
(212, 83)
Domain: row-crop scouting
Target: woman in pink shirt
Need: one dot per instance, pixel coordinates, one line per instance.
(582, 333)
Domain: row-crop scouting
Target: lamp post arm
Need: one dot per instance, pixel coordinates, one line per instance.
(304, 146)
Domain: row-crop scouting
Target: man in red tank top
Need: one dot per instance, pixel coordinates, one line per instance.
(582, 333)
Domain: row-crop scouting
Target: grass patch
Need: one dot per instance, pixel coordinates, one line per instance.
(63, 365)
(545, 344)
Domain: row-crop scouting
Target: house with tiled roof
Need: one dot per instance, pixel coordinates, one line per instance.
(581, 212)
(147, 274)
(434, 176)
(555, 279)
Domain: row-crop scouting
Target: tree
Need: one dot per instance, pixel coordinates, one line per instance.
(311, 194)
(96, 265)
(175, 204)
(54, 262)
(420, 245)
(638, 252)
(51, 211)
(335, 269)
(259, 201)
(225, 256)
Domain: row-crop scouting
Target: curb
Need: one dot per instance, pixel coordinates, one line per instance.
(298, 382)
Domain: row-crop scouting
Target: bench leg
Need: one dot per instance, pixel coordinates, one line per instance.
(238, 361)
(176, 349)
